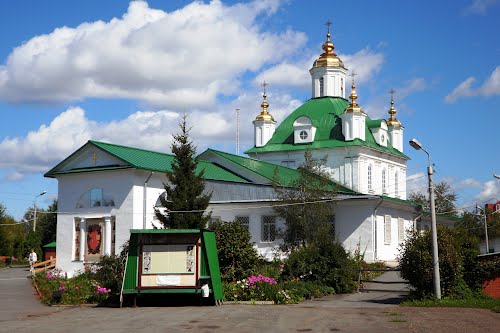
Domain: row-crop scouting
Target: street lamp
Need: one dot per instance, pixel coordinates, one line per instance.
(496, 176)
(485, 229)
(34, 217)
(435, 256)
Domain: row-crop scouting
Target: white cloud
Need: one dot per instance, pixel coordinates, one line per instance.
(366, 63)
(479, 6)
(42, 149)
(490, 87)
(490, 192)
(378, 106)
(166, 59)
(417, 183)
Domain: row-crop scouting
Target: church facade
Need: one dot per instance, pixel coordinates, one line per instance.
(104, 189)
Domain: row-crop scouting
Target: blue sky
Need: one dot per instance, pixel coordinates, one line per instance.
(122, 72)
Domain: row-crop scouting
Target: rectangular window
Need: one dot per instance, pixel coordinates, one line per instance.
(214, 219)
(288, 163)
(401, 230)
(387, 229)
(244, 221)
(332, 225)
(321, 87)
(268, 229)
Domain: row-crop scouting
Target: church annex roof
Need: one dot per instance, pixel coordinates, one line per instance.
(286, 176)
(324, 113)
(143, 159)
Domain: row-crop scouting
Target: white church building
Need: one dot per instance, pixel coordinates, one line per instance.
(104, 189)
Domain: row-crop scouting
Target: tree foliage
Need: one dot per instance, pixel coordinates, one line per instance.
(237, 256)
(445, 199)
(185, 187)
(310, 210)
(11, 233)
(415, 262)
(325, 261)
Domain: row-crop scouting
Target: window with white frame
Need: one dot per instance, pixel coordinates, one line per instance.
(244, 221)
(321, 87)
(370, 188)
(384, 189)
(401, 230)
(268, 228)
(396, 184)
(95, 198)
(331, 221)
(213, 220)
(387, 229)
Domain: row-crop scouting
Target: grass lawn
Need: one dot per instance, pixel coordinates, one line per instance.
(482, 302)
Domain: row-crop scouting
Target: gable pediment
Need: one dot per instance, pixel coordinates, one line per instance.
(88, 157)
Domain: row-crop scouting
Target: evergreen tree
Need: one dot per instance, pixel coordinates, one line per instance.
(186, 202)
(310, 210)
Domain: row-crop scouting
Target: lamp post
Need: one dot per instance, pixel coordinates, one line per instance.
(496, 176)
(435, 256)
(34, 217)
(485, 230)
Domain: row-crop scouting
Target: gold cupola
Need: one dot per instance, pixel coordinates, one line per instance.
(392, 121)
(353, 106)
(264, 115)
(328, 58)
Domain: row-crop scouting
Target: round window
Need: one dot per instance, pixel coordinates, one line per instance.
(303, 135)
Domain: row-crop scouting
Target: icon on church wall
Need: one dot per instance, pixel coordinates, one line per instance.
(94, 234)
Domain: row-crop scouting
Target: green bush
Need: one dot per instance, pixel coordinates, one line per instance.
(325, 262)
(237, 256)
(415, 261)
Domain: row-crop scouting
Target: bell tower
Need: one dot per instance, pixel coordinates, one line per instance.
(328, 72)
(264, 124)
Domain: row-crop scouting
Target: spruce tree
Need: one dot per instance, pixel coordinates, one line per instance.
(185, 202)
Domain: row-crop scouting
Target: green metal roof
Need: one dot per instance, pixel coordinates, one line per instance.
(53, 244)
(324, 113)
(166, 231)
(287, 176)
(148, 160)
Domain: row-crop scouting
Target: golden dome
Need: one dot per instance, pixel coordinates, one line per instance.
(353, 106)
(392, 121)
(328, 58)
(264, 115)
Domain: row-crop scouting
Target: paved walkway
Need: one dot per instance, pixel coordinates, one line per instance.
(371, 311)
(17, 297)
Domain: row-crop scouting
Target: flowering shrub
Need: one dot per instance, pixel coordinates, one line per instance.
(263, 288)
(80, 289)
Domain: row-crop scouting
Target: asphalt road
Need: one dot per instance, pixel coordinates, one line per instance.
(373, 311)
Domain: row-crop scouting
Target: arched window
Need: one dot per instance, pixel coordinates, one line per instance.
(370, 178)
(95, 198)
(396, 185)
(321, 87)
(384, 189)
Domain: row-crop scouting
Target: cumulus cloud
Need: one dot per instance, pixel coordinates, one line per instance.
(417, 183)
(378, 106)
(43, 148)
(366, 63)
(490, 87)
(479, 6)
(165, 59)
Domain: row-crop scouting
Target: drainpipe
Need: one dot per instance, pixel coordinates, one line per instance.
(374, 222)
(144, 200)
(415, 221)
